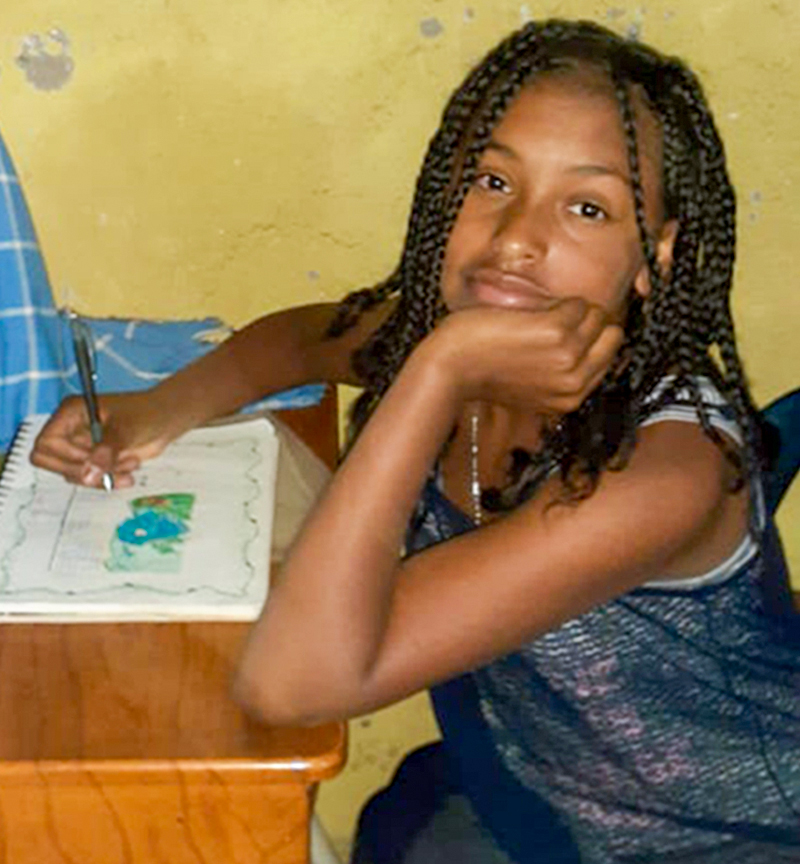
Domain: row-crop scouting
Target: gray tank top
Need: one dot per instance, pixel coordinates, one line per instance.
(663, 725)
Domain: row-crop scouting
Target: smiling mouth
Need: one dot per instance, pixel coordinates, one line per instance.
(497, 288)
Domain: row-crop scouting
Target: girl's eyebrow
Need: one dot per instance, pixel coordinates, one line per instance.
(602, 170)
(589, 169)
(497, 147)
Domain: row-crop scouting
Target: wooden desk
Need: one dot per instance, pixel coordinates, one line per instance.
(119, 743)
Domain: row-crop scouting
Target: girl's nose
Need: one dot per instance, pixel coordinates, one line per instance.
(522, 231)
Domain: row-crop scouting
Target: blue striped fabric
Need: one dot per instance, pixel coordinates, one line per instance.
(37, 364)
(31, 377)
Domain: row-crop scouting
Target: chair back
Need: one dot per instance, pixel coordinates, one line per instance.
(783, 421)
(782, 435)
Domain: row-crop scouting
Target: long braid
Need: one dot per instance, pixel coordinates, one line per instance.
(712, 285)
(686, 313)
(668, 339)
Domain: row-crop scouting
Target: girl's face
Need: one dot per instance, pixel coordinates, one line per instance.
(551, 214)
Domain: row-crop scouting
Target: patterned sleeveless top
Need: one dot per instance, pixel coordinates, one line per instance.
(661, 726)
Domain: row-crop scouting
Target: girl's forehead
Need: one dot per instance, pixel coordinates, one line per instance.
(587, 91)
(589, 84)
(572, 122)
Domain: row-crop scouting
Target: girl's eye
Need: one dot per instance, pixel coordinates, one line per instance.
(490, 182)
(588, 210)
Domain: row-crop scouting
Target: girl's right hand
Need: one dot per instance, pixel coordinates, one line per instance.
(134, 429)
(546, 360)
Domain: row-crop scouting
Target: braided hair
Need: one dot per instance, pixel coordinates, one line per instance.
(682, 328)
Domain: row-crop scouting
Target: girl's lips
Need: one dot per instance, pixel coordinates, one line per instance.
(496, 288)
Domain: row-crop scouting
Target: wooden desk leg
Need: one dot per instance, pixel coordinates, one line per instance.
(197, 818)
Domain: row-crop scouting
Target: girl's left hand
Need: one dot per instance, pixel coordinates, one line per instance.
(547, 360)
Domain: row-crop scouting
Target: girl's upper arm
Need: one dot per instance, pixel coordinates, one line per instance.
(330, 358)
(282, 349)
(464, 602)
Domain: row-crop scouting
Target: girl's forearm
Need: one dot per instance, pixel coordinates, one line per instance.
(281, 350)
(321, 631)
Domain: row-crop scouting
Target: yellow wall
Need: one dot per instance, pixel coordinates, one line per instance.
(228, 158)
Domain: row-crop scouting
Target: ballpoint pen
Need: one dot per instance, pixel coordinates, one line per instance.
(84, 357)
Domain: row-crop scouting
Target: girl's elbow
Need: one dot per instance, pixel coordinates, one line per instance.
(262, 702)
(272, 705)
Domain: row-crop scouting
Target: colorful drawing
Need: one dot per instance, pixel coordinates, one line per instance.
(151, 540)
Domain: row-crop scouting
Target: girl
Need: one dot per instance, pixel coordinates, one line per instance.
(556, 425)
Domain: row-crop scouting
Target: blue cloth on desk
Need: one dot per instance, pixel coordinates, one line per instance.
(37, 364)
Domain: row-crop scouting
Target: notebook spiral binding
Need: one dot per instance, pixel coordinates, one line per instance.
(15, 460)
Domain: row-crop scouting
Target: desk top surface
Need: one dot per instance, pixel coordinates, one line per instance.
(138, 698)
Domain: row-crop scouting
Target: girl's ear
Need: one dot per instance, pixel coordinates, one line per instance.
(664, 247)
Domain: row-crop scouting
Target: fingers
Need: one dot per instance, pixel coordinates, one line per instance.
(576, 329)
(107, 458)
(70, 470)
(601, 354)
(65, 447)
(594, 322)
(550, 359)
(585, 345)
(581, 320)
(87, 467)
(93, 476)
(597, 348)
(64, 443)
(571, 312)
(55, 450)
(134, 429)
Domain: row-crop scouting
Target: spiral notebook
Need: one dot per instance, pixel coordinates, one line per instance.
(189, 541)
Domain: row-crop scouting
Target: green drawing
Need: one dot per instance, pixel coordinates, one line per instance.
(151, 540)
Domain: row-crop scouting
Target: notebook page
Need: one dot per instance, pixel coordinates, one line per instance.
(191, 539)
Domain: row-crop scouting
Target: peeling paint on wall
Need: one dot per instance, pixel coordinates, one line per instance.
(635, 28)
(633, 31)
(431, 27)
(755, 199)
(43, 69)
